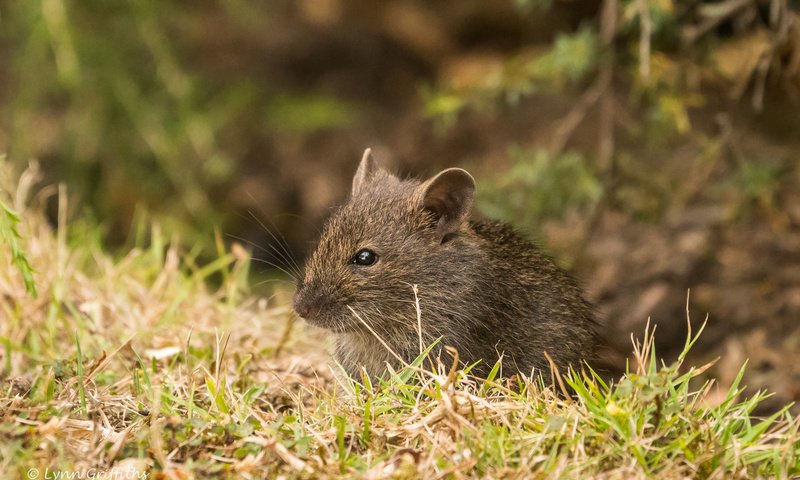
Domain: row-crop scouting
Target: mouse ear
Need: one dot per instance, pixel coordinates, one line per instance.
(366, 170)
(449, 196)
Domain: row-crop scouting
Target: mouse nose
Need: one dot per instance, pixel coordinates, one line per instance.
(306, 305)
(302, 309)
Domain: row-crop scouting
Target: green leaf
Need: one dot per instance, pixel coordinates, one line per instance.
(10, 235)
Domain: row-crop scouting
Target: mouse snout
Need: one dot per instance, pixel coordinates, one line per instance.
(307, 304)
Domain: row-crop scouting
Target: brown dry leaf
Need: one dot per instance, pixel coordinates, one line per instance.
(470, 71)
(793, 47)
(737, 58)
(287, 456)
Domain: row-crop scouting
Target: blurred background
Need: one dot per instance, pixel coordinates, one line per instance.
(651, 146)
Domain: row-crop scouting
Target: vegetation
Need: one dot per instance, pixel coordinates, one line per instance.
(640, 76)
(135, 106)
(132, 365)
(155, 357)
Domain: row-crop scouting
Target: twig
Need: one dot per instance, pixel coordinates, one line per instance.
(645, 33)
(608, 28)
(606, 143)
(722, 12)
(601, 84)
(781, 23)
(576, 115)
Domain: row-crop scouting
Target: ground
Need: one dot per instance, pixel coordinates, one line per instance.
(132, 366)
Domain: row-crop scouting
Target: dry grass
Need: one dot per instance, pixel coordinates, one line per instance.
(134, 367)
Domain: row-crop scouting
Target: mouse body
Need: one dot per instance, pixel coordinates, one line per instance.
(401, 264)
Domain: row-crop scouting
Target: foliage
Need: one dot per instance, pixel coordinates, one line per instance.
(645, 70)
(571, 58)
(128, 106)
(655, 45)
(11, 238)
(540, 185)
(137, 107)
(120, 102)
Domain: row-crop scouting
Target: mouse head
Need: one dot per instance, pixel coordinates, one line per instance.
(390, 235)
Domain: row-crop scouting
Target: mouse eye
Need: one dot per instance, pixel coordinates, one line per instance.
(365, 257)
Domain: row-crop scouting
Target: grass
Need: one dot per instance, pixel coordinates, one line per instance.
(135, 366)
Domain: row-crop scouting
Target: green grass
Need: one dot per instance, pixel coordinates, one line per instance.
(133, 363)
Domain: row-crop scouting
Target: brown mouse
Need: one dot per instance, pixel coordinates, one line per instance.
(480, 287)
